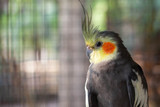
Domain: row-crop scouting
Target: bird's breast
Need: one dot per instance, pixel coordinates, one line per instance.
(111, 88)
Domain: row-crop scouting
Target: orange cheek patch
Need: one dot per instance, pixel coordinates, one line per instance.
(108, 47)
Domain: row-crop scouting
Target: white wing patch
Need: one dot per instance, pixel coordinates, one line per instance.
(86, 94)
(140, 93)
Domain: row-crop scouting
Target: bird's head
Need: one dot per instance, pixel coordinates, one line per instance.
(101, 45)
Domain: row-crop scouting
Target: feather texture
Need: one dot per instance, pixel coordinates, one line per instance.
(89, 30)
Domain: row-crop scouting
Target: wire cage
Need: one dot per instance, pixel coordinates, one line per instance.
(42, 51)
(28, 53)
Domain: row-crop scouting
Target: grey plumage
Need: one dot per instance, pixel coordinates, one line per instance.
(110, 84)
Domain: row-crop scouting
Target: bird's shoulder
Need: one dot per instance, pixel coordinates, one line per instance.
(136, 71)
(137, 86)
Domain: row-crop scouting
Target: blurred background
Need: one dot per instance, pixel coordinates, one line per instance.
(42, 52)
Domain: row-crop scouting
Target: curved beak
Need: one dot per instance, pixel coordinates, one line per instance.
(89, 50)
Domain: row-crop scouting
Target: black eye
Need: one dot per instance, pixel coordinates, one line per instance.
(99, 44)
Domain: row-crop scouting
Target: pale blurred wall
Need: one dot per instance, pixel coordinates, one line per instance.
(73, 61)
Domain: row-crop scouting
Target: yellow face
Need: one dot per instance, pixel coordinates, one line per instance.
(103, 49)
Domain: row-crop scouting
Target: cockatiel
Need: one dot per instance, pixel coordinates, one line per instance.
(114, 79)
